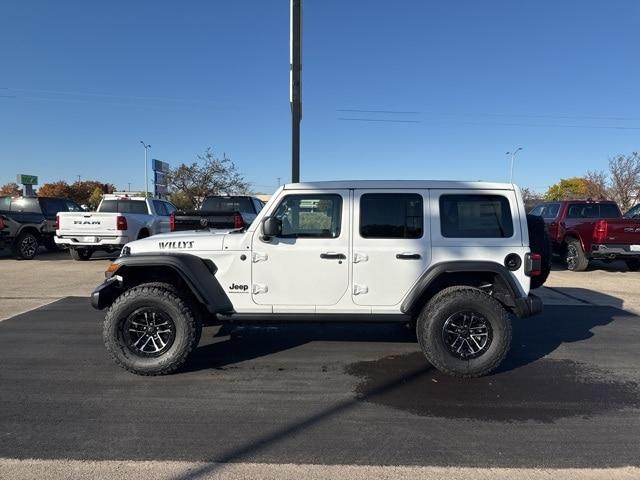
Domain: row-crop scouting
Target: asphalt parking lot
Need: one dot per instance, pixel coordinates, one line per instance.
(354, 396)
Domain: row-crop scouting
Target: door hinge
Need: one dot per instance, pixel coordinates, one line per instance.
(259, 288)
(360, 289)
(259, 257)
(360, 257)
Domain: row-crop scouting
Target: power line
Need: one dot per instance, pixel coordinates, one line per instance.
(376, 111)
(378, 120)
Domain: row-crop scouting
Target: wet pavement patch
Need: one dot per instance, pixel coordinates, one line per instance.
(544, 391)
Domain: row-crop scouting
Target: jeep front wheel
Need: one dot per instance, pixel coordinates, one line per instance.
(464, 332)
(150, 330)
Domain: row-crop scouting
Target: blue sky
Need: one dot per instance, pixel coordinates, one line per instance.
(82, 82)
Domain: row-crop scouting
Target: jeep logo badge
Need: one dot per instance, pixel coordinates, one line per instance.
(238, 288)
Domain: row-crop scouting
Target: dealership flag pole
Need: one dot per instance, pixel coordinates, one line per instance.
(295, 85)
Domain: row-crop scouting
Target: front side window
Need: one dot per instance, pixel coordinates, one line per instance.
(310, 216)
(475, 216)
(546, 210)
(170, 207)
(391, 215)
(160, 208)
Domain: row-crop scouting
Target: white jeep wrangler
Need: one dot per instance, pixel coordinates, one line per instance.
(451, 258)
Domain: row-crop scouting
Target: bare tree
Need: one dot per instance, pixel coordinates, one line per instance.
(625, 179)
(530, 198)
(209, 175)
(596, 186)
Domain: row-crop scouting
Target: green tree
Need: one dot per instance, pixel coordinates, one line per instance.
(180, 200)
(209, 175)
(82, 191)
(95, 198)
(55, 189)
(567, 189)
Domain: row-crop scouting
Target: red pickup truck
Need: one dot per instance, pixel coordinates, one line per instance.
(581, 230)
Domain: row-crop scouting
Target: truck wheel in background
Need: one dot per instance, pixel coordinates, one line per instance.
(25, 246)
(80, 253)
(633, 264)
(144, 233)
(575, 257)
(539, 242)
(464, 332)
(50, 244)
(149, 330)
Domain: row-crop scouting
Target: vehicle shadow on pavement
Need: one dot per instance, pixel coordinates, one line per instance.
(235, 344)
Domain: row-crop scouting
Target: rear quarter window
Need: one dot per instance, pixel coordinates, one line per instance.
(475, 216)
(123, 206)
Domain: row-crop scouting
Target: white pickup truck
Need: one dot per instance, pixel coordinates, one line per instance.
(118, 220)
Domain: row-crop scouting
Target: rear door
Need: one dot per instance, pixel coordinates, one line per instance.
(391, 246)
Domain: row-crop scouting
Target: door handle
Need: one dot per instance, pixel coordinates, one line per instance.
(408, 256)
(333, 256)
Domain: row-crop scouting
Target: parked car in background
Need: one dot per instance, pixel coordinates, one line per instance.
(634, 212)
(119, 219)
(581, 230)
(28, 222)
(220, 212)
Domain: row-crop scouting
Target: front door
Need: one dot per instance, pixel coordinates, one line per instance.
(391, 246)
(307, 265)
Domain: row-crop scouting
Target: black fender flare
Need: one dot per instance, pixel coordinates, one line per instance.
(460, 266)
(197, 273)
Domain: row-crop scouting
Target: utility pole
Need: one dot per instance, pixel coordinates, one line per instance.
(129, 189)
(78, 178)
(513, 157)
(146, 181)
(279, 183)
(295, 85)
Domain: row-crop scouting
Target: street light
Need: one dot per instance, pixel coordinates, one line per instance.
(513, 157)
(146, 181)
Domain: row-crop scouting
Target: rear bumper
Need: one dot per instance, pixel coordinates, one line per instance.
(614, 250)
(99, 241)
(528, 306)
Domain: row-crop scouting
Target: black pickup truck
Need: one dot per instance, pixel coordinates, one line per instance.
(28, 222)
(220, 212)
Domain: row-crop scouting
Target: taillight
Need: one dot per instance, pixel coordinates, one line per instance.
(533, 264)
(121, 223)
(57, 222)
(2, 225)
(172, 222)
(237, 220)
(600, 231)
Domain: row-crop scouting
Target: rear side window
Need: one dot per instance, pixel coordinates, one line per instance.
(391, 215)
(26, 205)
(160, 208)
(546, 210)
(51, 206)
(475, 216)
(124, 206)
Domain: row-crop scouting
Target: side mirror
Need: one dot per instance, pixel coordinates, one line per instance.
(271, 227)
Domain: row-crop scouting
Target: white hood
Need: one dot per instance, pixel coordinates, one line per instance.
(180, 242)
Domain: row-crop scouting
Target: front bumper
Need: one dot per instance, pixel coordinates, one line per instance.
(528, 306)
(105, 293)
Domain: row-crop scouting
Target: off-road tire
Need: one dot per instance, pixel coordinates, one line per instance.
(449, 302)
(25, 246)
(633, 264)
(164, 299)
(188, 299)
(575, 258)
(539, 242)
(81, 254)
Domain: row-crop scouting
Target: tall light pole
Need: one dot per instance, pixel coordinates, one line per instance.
(513, 157)
(146, 180)
(295, 85)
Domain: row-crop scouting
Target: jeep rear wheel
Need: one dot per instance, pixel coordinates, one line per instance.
(150, 330)
(464, 332)
(575, 257)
